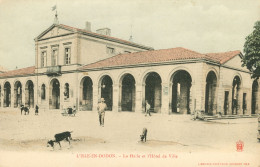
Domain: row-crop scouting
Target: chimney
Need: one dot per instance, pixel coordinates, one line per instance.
(88, 26)
(104, 31)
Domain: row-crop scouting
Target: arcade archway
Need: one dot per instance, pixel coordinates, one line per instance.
(106, 85)
(181, 84)
(7, 94)
(236, 103)
(86, 94)
(29, 94)
(54, 102)
(255, 89)
(127, 99)
(210, 94)
(17, 94)
(153, 91)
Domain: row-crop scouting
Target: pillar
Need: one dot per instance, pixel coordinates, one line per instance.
(115, 97)
(165, 99)
(139, 98)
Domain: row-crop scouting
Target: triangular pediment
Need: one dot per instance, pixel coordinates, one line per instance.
(54, 31)
(235, 62)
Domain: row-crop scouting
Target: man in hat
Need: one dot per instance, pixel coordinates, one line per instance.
(101, 111)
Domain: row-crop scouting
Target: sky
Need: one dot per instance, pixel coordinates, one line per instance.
(204, 26)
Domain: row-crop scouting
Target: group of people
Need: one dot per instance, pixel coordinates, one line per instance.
(102, 108)
(27, 109)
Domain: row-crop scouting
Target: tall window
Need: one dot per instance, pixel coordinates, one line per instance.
(67, 56)
(43, 59)
(54, 60)
(43, 92)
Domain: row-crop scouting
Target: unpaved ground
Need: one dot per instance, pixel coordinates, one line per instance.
(166, 133)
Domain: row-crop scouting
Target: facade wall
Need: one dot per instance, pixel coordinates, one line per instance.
(92, 50)
(198, 72)
(166, 96)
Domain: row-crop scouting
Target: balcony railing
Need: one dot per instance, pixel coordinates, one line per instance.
(53, 71)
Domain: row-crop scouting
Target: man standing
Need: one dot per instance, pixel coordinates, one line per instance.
(101, 111)
(147, 108)
(36, 110)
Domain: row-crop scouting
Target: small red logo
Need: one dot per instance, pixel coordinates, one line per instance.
(240, 146)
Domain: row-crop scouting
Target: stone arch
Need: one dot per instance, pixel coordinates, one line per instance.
(54, 94)
(29, 94)
(7, 94)
(255, 97)
(18, 91)
(86, 93)
(152, 88)
(210, 93)
(212, 69)
(127, 92)
(240, 77)
(179, 68)
(180, 88)
(122, 74)
(106, 90)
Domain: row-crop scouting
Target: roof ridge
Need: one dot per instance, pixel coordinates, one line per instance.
(223, 52)
(106, 36)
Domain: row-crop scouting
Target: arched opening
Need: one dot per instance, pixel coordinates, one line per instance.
(153, 91)
(29, 94)
(86, 95)
(235, 95)
(7, 94)
(17, 94)
(43, 92)
(128, 93)
(66, 91)
(181, 84)
(210, 94)
(106, 86)
(54, 102)
(255, 89)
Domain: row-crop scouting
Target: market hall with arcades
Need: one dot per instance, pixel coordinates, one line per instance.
(77, 67)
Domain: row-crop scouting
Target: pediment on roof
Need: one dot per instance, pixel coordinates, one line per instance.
(235, 62)
(53, 31)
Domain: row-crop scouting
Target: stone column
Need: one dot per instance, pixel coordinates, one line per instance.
(198, 94)
(165, 99)
(12, 97)
(119, 97)
(23, 94)
(115, 97)
(96, 96)
(240, 102)
(1, 96)
(138, 98)
(192, 98)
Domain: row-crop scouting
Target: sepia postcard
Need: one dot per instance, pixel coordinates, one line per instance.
(128, 83)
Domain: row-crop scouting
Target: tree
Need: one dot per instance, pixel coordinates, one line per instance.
(251, 57)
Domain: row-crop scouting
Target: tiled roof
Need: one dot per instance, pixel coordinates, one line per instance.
(155, 56)
(104, 36)
(22, 71)
(223, 57)
(158, 56)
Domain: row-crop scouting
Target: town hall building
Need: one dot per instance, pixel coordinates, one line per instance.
(76, 67)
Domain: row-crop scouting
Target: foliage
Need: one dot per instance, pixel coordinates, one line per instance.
(251, 57)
